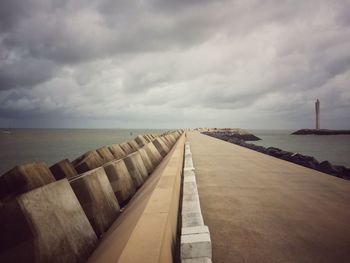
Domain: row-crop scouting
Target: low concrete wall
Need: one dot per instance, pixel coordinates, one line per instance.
(63, 169)
(97, 199)
(23, 178)
(46, 224)
(120, 179)
(195, 238)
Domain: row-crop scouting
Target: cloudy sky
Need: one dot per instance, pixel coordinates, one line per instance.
(166, 63)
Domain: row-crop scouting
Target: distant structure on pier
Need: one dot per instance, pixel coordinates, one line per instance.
(317, 107)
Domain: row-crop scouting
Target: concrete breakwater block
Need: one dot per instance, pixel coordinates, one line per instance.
(97, 199)
(126, 148)
(23, 178)
(171, 138)
(46, 224)
(146, 160)
(166, 141)
(136, 168)
(153, 154)
(88, 161)
(148, 137)
(196, 245)
(105, 154)
(63, 169)
(162, 148)
(120, 180)
(141, 140)
(134, 145)
(117, 151)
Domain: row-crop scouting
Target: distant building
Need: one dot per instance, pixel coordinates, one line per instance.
(317, 107)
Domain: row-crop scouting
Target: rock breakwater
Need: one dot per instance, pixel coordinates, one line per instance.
(297, 158)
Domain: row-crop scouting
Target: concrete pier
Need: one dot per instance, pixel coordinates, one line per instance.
(262, 209)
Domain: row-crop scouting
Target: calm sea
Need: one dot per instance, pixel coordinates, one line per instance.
(334, 148)
(53, 145)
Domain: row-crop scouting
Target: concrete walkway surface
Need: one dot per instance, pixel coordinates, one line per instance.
(263, 209)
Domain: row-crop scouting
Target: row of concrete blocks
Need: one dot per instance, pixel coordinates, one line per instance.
(195, 237)
(26, 177)
(61, 221)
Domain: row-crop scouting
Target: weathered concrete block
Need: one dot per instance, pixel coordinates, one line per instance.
(190, 219)
(146, 160)
(196, 246)
(136, 168)
(23, 178)
(46, 224)
(153, 154)
(141, 140)
(134, 145)
(97, 199)
(105, 154)
(126, 148)
(117, 151)
(162, 148)
(148, 138)
(121, 180)
(63, 169)
(166, 141)
(88, 161)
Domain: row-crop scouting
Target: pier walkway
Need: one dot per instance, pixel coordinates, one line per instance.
(262, 209)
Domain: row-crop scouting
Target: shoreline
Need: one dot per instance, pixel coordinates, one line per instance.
(297, 158)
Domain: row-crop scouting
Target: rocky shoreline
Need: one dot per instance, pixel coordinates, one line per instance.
(297, 158)
(320, 132)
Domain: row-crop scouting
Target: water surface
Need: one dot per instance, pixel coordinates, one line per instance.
(53, 145)
(334, 148)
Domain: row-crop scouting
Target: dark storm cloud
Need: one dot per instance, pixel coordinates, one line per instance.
(195, 62)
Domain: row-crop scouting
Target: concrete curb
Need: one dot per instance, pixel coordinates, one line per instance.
(195, 237)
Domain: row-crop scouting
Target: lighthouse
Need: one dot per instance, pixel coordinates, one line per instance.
(317, 107)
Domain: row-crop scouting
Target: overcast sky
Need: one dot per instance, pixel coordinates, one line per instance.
(167, 63)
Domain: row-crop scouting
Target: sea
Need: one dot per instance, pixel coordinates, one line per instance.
(52, 145)
(333, 148)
